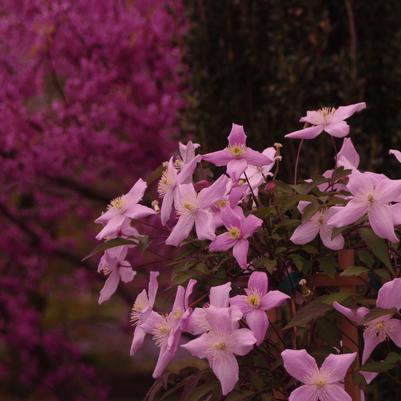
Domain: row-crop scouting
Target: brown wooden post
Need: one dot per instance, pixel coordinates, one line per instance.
(350, 337)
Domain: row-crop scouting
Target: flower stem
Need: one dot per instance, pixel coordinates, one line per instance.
(297, 161)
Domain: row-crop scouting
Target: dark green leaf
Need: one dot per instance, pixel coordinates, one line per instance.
(354, 271)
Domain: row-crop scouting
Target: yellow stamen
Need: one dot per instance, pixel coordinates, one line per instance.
(189, 206)
(254, 300)
(320, 383)
(117, 203)
(222, 203)
(371, 198)
(219, 346)
(234, 232)
(237, 150)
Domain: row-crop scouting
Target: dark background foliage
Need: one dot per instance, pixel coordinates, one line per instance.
(263, 63)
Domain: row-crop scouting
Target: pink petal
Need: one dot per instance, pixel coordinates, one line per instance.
(371, 341)
(258, 281)
(256, 158)
(258, 323)
(105, 217)
(179, 299)
(389, 190)
(396, 153)
(181, 230)
(395, 211)
(334, 392)
(219, 158)
(349, 152)
(126, 272)
(198, 347)
(232, 217)
(237, 135)
(305, 232)
(355, 315)
(137, 341)
(393, 330)
(313, 117)
(273, 299)
(241, 341)
(381, 221)
(240, 252)
(110, 286)
(153, 321)
(188, 292)
(360, 184)
(167, 206)
(152, 287)
(222, 242)
(235, 168)
(335, 367)
(300, 365)
(343, 112)
(389, 295)
(138, 211)
(369, 376)
(338, 130)
(335, 243)
(197, 322)
(205, 228)
(304, 393)
(250, 225)
(219, 295)
(210, 195)
(348, 214)
(225, 367)
(112, 227)
(185, 175)
(220, 319)
(306, 133)
(240, 301)
(165, 356)
(135, 194)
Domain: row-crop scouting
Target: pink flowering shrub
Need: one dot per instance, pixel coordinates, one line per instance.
(260, 296)
(91, 90)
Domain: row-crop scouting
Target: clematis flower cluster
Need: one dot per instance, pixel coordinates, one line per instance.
(236, 233)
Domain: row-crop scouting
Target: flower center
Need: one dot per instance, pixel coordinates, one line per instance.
(379, 326)
(189, 206)
(106, 270)
(164, 184)
(320, 383)
(371, 199)
(234, 232)
(254, 300)
(237, 150)
(220, 346)
(136, 312)
(222, 203)
(177, 314)
(160, 334)
(321, 219)
(178, 163)
(326, 112)
(117, 203)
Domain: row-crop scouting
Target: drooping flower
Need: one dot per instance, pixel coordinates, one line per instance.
(123, 208)
(378, 330)
(116, 268)
(328, 119)
(395, 153)
(194, 209)
(347, 156)
(257, 301)
(220, 344)
(371, 195)
(317, 224)
(324, 384)
(168, 185)
(166, 330)
(236, 156)
(239, 229)
(142, 308)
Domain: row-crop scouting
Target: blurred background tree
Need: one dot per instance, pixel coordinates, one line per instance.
(263, 63)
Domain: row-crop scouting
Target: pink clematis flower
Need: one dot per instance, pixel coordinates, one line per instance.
(194, 209)
(240, 228)
(257, 301)
(236, 156)
(317, 224)
(371, 195)
(328, 119)
(395, 153)
(123, 208)
(166, 330)
(113, 265)
(324, 384)
(168, 185)
(220, 344)
(348, 157)
(187, 152)
(141, 310)
(378, 330)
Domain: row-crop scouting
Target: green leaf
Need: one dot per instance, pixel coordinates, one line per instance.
(378, 312)
(366, 258)
(110, 244)
(340, 296)
(390, 362)
(328, 264)
(377, 246)
(264, 262)
(309, 313)
(310, 210)
(201, 392)
(354, 271)
(236, 396)
(298, 261)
